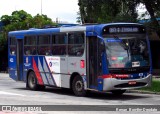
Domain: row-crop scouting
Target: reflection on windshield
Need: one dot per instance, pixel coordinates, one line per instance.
(135, 56)
(116, 54)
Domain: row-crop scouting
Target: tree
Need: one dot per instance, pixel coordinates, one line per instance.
(6, 19)
(39, 21)
(103, 11)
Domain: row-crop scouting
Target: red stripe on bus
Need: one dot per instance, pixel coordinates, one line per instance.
(106, 76)
(39, 78)
(114, 76)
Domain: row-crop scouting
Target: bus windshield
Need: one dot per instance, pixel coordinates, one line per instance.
(127, 50)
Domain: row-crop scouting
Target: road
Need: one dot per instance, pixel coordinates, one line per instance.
(15, 93)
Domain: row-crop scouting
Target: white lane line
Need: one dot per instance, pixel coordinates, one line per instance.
(9, 93)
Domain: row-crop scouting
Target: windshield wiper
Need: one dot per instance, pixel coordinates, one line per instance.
(123, 44)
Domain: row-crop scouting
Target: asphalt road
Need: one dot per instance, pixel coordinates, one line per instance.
(15, 93)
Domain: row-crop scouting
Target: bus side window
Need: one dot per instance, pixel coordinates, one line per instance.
(44, 45)
(76, 44)
(12, 45)
(59, 44)
(12, 50)
(30, 45)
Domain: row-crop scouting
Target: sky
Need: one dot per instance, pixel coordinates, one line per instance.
(64, 10)
(141, 10)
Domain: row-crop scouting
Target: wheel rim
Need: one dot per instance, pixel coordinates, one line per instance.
(79, 86)
(32, 81)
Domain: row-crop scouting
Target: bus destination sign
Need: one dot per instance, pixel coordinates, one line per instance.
(123, 29)
(117, 29)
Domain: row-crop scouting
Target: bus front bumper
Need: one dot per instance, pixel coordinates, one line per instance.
(117, 84)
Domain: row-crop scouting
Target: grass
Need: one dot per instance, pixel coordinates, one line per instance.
(155, 87)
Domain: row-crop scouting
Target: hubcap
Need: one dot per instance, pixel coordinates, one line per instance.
(79, 86)
(32, 81)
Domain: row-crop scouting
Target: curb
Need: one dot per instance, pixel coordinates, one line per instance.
(142, 91)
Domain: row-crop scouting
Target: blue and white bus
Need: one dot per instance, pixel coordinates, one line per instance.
(104, 57)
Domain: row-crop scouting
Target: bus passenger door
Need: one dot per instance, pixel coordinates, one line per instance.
(19, 57)
(94, 62)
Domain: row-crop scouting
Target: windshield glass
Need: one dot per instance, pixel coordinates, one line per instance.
(127, 51)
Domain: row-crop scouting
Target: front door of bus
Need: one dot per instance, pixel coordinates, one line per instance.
(94, 62)
(19, 57)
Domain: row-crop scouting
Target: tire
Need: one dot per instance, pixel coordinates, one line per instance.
(118, 92)
(78, 86)
(32, 82)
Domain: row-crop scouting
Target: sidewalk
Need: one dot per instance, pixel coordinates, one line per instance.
(142, 91)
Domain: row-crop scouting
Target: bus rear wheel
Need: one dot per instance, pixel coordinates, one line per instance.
(32, 82)
(78, 86)
(118, 92)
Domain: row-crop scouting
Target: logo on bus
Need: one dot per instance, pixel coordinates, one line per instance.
(53, 64)
(140, 74)
(11, 60)
(50, 64)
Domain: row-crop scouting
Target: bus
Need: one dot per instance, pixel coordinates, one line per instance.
(112, 57)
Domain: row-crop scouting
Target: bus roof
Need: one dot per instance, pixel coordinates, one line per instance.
(88, 28)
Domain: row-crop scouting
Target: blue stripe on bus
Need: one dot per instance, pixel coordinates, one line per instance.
(100, 84)
(42, 72)
(113, 40)
(50, 73)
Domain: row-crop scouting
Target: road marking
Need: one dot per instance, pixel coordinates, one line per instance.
(9, 93)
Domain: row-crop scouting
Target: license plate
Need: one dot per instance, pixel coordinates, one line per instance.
(132, 82)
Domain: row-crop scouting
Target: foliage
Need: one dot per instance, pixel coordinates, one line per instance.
(2, 41)
(102, 11)
(155, 86)
(40, 21)
(79, 18)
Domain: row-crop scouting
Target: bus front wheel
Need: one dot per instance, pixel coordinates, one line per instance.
(78, 86)
(32, 82)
